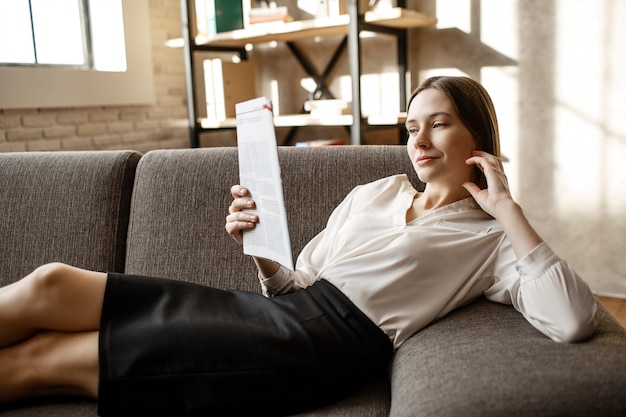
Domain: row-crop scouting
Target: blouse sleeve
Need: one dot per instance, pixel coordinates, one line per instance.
(313, 256)
(549, 294)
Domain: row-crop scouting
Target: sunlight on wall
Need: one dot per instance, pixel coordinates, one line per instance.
(498, 28)
(590, 133)
(502, 85)
(454, 14)
(451, 72)
(578, 134)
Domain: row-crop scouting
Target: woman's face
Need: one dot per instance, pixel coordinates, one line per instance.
(439, 143)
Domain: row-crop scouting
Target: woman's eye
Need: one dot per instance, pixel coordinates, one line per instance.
(437, 124)
(412, 131)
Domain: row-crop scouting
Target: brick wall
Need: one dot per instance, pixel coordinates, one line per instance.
(142, 128)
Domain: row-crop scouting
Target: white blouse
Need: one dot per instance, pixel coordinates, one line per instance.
(404, 276)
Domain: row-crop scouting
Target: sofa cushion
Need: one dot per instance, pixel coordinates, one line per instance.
(176, 229)
(70, 207)
(486, 360)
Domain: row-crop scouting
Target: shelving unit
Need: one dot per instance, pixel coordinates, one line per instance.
(394, 21)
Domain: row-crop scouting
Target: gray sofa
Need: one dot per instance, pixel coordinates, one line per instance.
(163, 214)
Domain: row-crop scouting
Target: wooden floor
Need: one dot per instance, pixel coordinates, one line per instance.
(616, 306)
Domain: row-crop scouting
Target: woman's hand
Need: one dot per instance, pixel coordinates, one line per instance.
(238, 220)
(496, 196)
(496, 201)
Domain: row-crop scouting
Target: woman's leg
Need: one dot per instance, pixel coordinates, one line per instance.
(50, 363)
(48, 333)
(54, 297)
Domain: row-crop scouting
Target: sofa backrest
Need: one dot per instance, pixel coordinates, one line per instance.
(181, 201)
(69, 207)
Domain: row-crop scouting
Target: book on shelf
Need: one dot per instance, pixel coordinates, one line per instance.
(213, 89)
(221, 85)
(269, 14)
(205, 17)
(216, 16)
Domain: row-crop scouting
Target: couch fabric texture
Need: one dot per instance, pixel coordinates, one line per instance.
(70, 207)
(162, 214)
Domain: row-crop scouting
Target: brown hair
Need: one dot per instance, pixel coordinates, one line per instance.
(475, 109)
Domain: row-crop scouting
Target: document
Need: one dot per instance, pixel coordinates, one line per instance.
(259, 172)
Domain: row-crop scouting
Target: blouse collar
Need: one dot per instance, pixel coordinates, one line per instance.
(459, 206)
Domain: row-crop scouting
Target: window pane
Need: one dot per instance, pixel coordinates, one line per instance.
(58, 32)
(107, 31)
(16, 40)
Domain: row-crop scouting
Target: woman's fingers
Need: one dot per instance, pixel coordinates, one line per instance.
(491, 166)
(484, 160)
(241, 199)
(238, 191)
(238, 220)
(241, 219)
(497, 191)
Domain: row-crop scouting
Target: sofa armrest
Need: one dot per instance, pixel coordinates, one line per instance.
(486, 360)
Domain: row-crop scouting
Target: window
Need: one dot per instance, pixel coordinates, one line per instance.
(76, 53)
(81, 33)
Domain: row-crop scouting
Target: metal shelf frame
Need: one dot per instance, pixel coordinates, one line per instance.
(351, 42)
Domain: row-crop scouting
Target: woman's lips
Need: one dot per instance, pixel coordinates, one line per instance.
(425, 160)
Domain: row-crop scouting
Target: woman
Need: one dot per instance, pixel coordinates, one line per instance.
(356, 295)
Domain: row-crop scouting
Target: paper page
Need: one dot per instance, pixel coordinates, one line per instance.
(259, 172)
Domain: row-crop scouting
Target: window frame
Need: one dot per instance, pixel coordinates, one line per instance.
(54, 86)
(86, 42)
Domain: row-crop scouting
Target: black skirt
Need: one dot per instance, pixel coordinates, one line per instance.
(175, 348)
